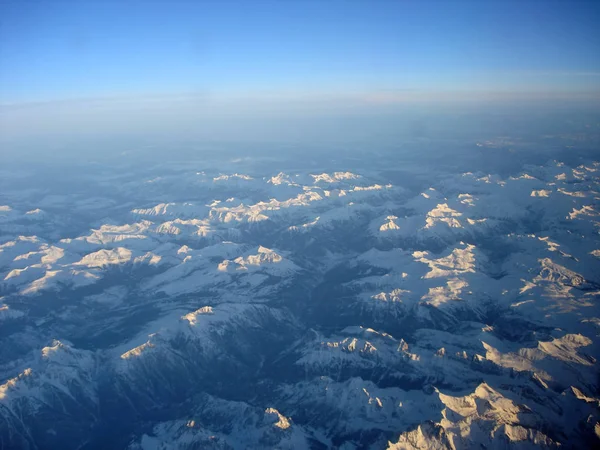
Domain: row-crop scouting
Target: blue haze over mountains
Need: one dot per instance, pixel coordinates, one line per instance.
(437, 290)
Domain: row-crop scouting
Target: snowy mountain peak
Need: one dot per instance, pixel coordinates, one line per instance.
(192, 317)
(279, 420)
(334, 177)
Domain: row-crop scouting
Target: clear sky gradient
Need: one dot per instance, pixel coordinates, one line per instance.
(64, 50)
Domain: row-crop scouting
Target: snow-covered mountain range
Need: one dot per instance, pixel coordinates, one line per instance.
(211, 307)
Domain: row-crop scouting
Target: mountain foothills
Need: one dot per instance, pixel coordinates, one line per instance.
(253, 304)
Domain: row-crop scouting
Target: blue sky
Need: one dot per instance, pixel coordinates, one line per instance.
(60, 50)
